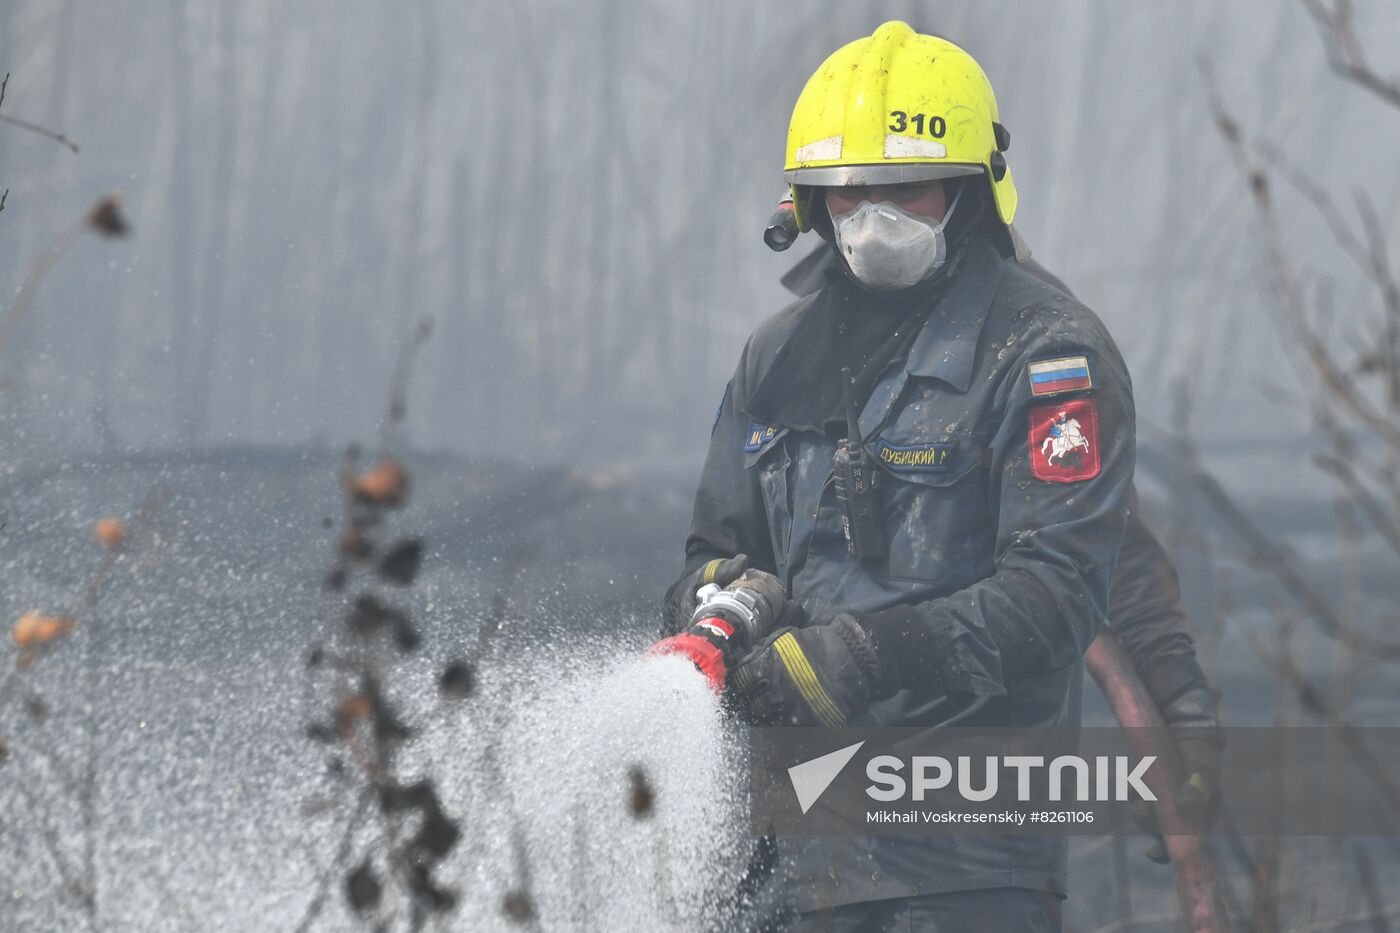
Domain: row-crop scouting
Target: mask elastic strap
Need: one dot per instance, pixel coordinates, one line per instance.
(948, 214)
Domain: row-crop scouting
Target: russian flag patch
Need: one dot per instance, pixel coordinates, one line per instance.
(1066, 374)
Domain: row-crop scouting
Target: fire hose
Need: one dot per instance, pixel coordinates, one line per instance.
(1196, 888)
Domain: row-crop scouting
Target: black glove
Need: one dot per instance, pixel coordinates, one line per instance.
(679, 604)
(755, 605)
(1194, 724)
(810, 676)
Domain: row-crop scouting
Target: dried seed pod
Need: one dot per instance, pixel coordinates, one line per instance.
(437, 835)
(106, 217)
(401, 564)
(386, 484)
(517, 907)
(355, 544)
(456, 682)
(362, 888)
(34, 629)
(368, 616)
(436, 898)
(353, 708)
(641, 799)
(110, 532)
(319, 732)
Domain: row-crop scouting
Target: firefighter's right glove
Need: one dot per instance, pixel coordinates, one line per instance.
(815, 676)
(679, 605)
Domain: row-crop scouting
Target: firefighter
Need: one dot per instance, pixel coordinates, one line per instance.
(1144, 610)
(1001, 415)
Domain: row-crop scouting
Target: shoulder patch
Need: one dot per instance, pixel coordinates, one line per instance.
(757, 435)
(1065, 374)
(918, 458)
(1064, 441)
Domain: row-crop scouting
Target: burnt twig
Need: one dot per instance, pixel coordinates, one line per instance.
(414, 834)
(337, 863)
(398, 385)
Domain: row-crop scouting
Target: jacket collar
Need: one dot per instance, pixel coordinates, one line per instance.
(946, 348)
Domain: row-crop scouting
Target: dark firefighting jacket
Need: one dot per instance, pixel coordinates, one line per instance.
(1144, 605)
(1006, 439)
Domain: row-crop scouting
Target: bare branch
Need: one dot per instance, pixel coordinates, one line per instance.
(3, 197)
(1337, 27)
(1284, 280)
(338, 861)
(1372, 257)
(1314, 702)
(1283, 567)
(57, 137)
(1366, 502)
(31, 127)
(1321, 201)
(398, 385)
(67, 873)
(1390, 293)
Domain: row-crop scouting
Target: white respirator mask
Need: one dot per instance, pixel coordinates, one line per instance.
(889, 248)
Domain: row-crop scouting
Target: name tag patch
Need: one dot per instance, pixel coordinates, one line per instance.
(919, 458)
(757, 435)
(1066, 374)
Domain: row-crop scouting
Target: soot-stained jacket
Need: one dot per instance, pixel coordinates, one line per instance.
(1006, 440)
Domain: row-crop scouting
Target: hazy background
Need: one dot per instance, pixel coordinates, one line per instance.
(575, 192)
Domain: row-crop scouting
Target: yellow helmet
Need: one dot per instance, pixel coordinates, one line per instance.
(897, 107)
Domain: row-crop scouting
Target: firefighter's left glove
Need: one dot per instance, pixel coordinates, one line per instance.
(751, 607)
(680, 602)
(728, 622)
(1194, 724)
(815, 676)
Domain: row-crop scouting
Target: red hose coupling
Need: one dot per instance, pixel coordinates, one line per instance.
(700, 651)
